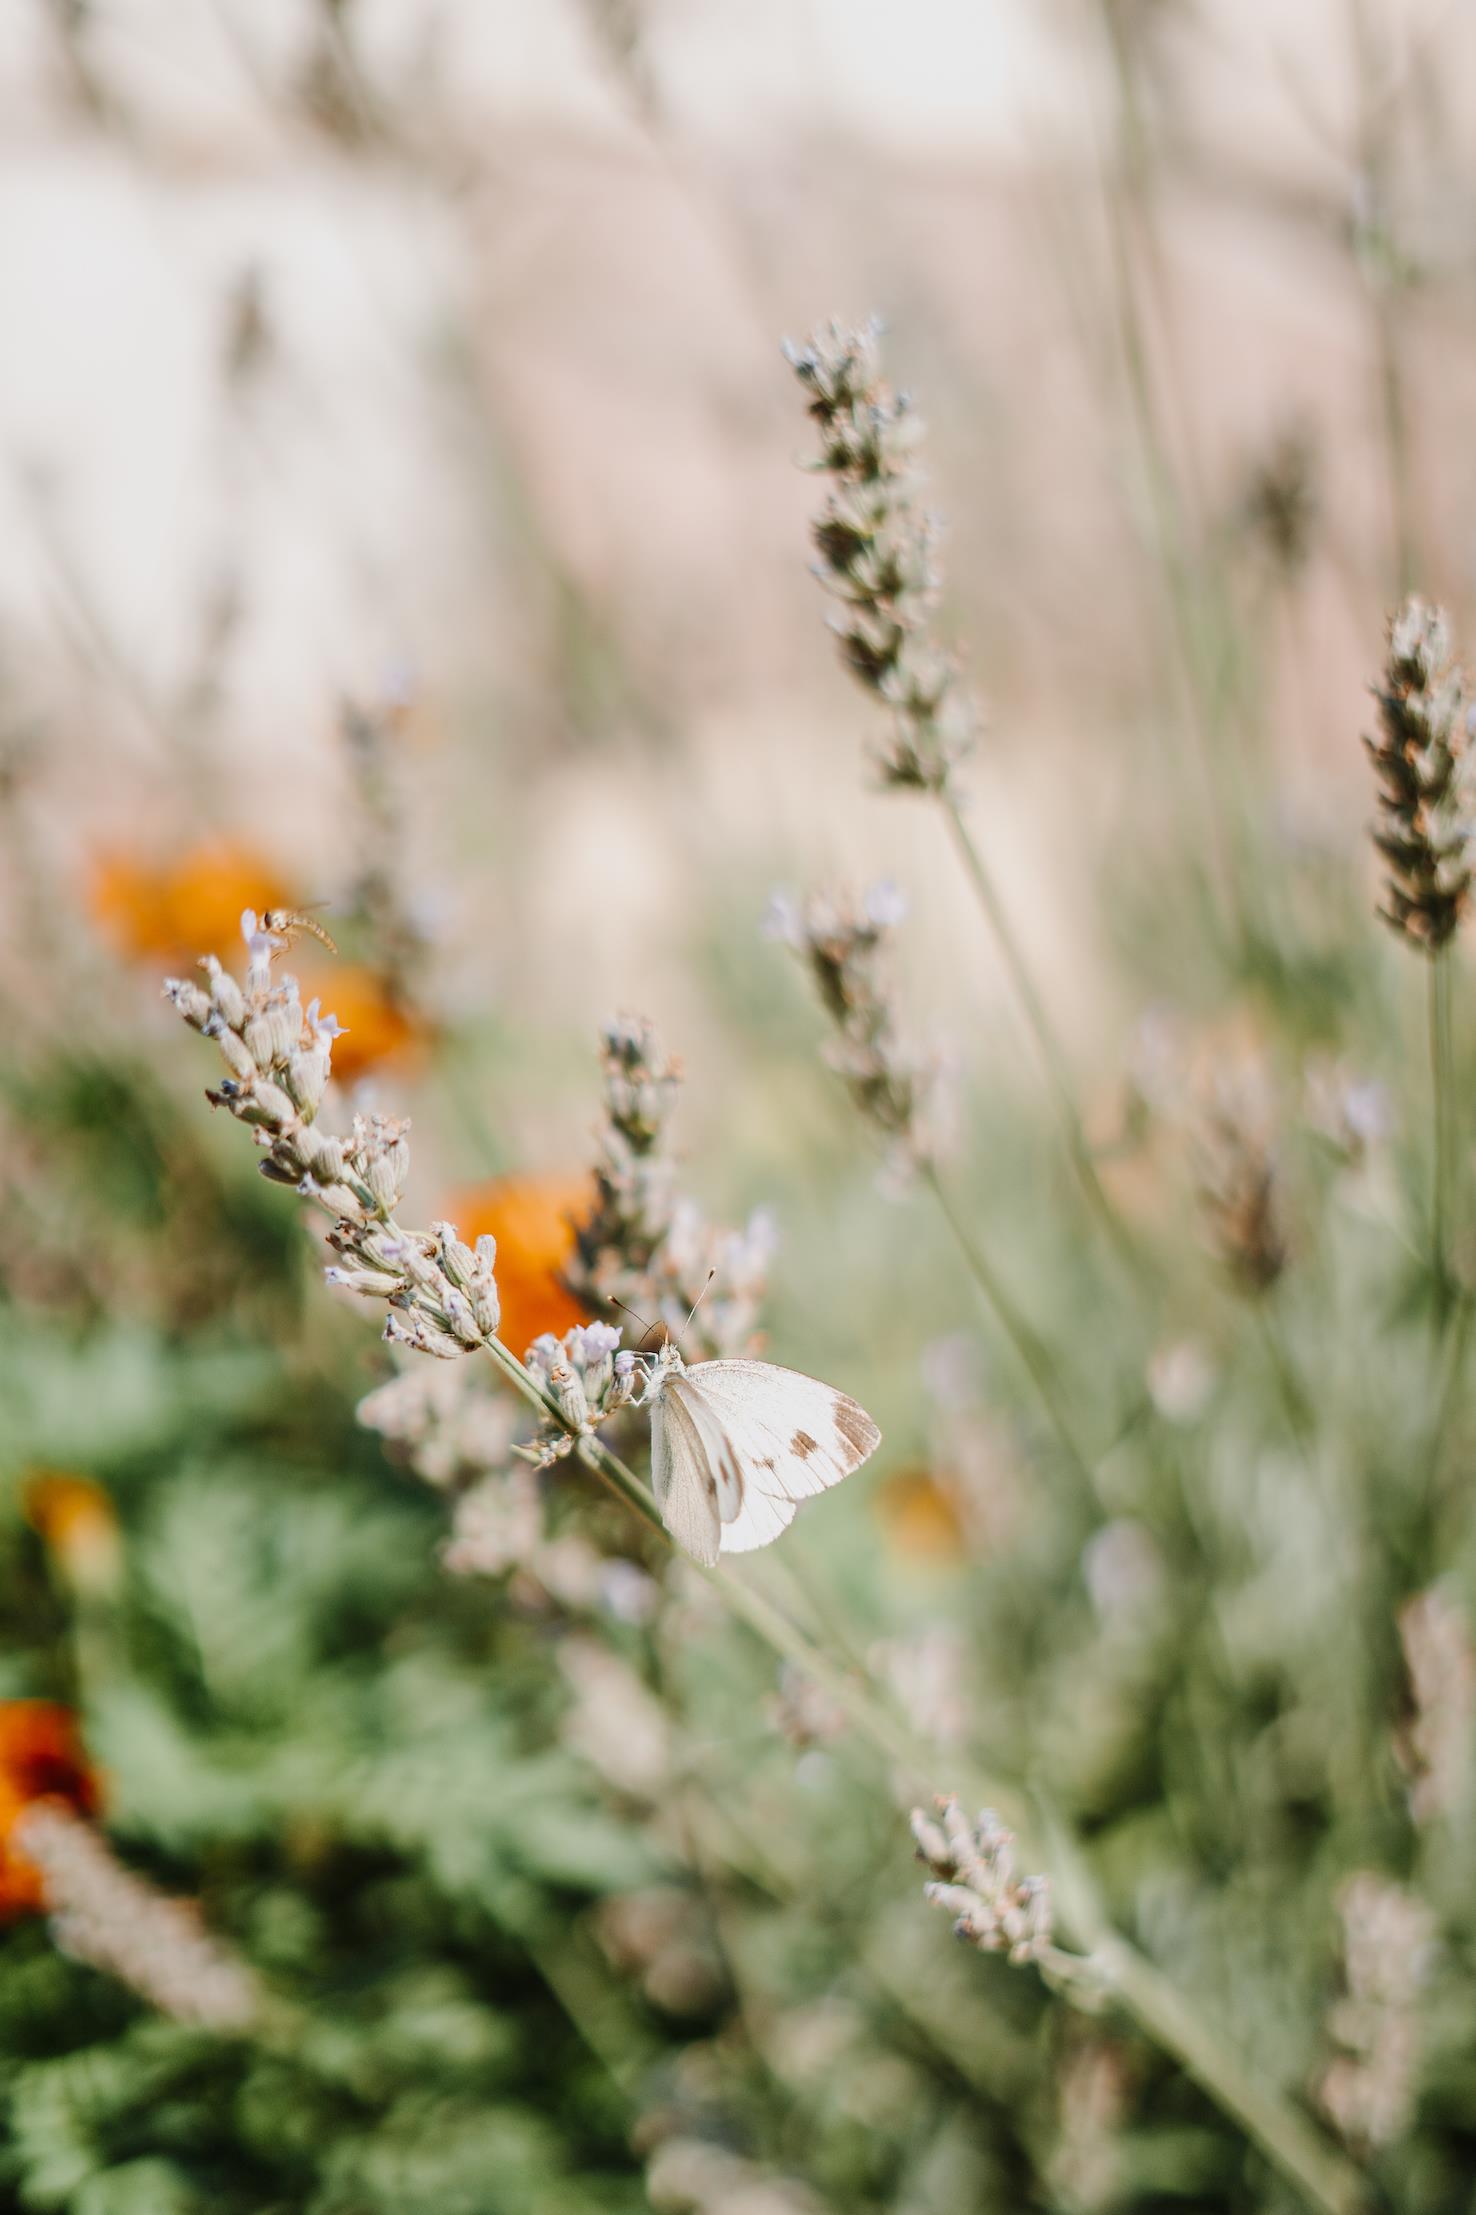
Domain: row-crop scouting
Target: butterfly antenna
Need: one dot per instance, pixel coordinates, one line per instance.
(702, 1295)
(646, 1328)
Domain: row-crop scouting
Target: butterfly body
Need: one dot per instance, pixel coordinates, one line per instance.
(737, 1445)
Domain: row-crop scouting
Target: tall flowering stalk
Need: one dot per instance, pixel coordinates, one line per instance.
(1423, 833)
(1418, 752)
(642, 1245)
(845, 947)
(381, 898)
(878, 558)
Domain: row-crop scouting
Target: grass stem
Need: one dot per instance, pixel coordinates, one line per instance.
(1438, 1013)
(1289, 1392)
(1033, 1355)
(1053, 1061)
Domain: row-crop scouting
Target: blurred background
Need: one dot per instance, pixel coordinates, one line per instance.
(402, 524)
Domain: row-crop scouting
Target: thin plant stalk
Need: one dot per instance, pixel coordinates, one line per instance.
(1396, 441)
(1457, 1342)
(1169, 527)
(1438, 1015)
(1381, 281)
(1293, 1399)
(1033, 1357)
(1287, 2139)
(1052, 1059)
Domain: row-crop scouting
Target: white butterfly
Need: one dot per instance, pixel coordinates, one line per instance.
(736, 1445)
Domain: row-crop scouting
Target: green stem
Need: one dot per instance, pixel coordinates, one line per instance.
(1033, 1356)
(1438, 1010)
(1324, 2176)
(1457, 1342)
(1053, 1061)
(1293, 1399)
(1379, 268)
(1164, 499)
(1284, 2136)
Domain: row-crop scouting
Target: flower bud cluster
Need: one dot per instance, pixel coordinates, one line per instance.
(442, 1294)
(975, 1880)
(877, 555)
(845, 946)
(1238, 1175)
(1423, 830)
(589, 1376)
(643, 1247)
(394, 916)
(1369, 2089)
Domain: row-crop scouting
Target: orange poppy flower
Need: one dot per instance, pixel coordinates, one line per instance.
(180, 909)
(376, 1028)
(76, 1523)
(920, 1514)
(41, 1758)
(531, 1220)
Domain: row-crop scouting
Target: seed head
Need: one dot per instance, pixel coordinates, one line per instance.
(1419, 753)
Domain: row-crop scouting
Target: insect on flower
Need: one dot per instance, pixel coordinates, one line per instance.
(286, 923)
(737, 1445)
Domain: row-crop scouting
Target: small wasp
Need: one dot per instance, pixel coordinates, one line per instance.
(285, 923)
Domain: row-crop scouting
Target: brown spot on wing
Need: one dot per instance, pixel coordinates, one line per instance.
(766, 1461)
(856, 1428)
(802, 1444)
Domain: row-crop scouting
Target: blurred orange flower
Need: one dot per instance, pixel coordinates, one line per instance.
(77, 1524)
(41, 1758)
(531, 1220)
(376, 1028)
(180, 909)
(920, 1514)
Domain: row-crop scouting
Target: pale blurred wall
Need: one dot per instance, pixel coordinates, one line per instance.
(518, 407)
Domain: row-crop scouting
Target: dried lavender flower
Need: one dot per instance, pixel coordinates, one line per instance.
(1419, 753)
(383, 897)
(1369, 2089)
(1281, 506)
(974, 1879)
(927, 1675)
(694, 2176)
(1092, 2086)
(659, 1935)
(1237, 1174)
(615, 1722)
(878, 555)
(643, 1246)
(845, 945)
(442, 1295)
(1435, 1743)
(804, 1712)
(103, 1914)
(1352, 1112)
(497, 1525)
(591, 1380)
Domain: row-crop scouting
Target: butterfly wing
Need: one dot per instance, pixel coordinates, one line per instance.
(740, 1499)
(683, 1480)
(789, 1437)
